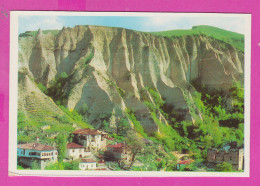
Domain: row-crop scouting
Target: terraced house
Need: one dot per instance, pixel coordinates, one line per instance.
(35, 152)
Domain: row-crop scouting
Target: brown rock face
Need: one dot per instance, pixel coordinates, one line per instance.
(109, 68)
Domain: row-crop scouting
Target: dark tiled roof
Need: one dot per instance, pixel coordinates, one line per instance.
(88, 131)
(73, 145)
(88, 160)
(35, 146)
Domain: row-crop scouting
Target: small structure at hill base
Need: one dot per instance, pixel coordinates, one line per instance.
(35, 152)
(87, 164)
(230, 153)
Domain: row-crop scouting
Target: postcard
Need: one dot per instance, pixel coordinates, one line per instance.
(129, 94)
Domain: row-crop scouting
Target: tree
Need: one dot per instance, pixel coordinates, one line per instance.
(136, 145)
(123, 127)
(61, 146)
(224, 167)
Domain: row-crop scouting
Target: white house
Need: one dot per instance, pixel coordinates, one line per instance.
(76, 151)
(90, 139)
(41, 154)
(87, 164)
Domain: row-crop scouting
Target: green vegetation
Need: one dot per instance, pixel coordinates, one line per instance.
(56, 90)
(224, 167)
(42, 123)
(76, 117)
(33, 33)
(74, 165)
(123, 127)
(137, 125)
(232, 38)
(89, 58)
(215, 124)
(111, 83)
(61, 142)
(35, 165)
(19, 167)
(42, 88)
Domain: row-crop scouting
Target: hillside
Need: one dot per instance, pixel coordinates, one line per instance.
(109, 76)
(232, 38)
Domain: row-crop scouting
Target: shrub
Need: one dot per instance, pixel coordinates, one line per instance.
(42, 88)
(224, 167)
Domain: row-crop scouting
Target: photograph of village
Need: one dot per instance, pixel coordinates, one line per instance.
(131, 93)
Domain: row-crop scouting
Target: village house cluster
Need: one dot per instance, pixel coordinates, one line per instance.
(86, 143)
(90, 147)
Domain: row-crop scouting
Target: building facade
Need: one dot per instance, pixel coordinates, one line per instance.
(87, 164)
(90, 139)
(233, 156)
(34, 152)
(75, 151)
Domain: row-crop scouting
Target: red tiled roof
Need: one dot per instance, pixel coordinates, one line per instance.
(73, 145)
(88, 160)
(118, 145)
(87, 131)
(101, 161)
(186, 162)
(35, 146)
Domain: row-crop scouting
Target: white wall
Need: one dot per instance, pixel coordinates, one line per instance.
(87, 165)
(51, 154)
(75, 153)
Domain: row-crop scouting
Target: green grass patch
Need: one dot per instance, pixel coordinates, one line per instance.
(232, 38)
(137, 125)
(34, 33)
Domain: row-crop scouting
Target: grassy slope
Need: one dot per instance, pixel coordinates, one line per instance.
(33, 33)
(232, 38)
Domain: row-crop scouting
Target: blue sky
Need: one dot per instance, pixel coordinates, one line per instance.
(141, 23)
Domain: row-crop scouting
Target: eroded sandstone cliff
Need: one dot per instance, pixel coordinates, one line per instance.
(109, 68)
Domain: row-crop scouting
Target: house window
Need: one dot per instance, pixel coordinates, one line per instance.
(230, 158)
(73, 150)
(214, 157)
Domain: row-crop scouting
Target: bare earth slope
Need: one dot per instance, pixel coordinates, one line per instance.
(109, 69)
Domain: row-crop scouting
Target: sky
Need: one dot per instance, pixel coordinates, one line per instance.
(140, 23)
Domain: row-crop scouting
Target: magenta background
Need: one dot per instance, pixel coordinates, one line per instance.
(234, 6)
